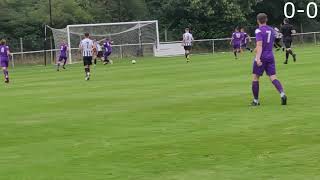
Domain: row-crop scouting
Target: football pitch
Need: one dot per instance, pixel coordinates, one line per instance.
(161, 119)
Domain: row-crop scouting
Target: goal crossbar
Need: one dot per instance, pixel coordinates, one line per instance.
(112, 24)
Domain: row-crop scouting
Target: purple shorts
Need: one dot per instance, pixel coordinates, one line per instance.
(107, 54)
(62, 58)
(4, 62)
(236, 46)
(267, 66)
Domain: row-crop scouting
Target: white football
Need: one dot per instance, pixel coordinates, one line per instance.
(133, 61)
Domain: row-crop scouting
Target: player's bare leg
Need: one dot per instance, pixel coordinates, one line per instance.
(94, 59)
(240, 52)
(87, 71)
(95, 62)
(249, 49)
(279, 88)
(278, 46)
(6, 74)
(187, 53)
(58, 65)
(64, 63)
(255, 90)
(235, 52)
(102, 59)
(106, 60)
(288, 53)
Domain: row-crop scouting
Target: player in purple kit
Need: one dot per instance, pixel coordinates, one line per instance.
(265, 61)
(63, 56)
(4, 59)
(245, 39)
(107, 51)
(236, 39)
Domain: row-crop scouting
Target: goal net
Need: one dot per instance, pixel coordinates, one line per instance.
(129, 38)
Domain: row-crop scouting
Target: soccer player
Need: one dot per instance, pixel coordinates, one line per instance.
(63, 56)
(236, 39)
(265, 60)
(287, 31)
(4, 59)
(86, 47)
(277, 43)
(187, 43)
(107, 51)
(245, 39)
(99, 54)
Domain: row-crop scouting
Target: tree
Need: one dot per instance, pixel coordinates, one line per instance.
(206, 18)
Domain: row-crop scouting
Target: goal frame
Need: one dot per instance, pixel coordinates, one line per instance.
(109, 24)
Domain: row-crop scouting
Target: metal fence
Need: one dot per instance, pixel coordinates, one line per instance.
(203, 46)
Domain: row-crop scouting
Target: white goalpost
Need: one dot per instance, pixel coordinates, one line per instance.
(130, 38)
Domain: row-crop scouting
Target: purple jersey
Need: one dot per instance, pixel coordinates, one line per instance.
(63, 50)
(107, 46)
(4, 56)
(237, 38)
(245, 37)
(266, 34)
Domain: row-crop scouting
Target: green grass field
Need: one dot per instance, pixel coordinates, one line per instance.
(161, 119)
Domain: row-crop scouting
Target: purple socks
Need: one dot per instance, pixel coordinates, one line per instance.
(6, 73)
(278, 86)
(255, 89)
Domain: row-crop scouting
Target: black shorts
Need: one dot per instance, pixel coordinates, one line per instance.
(278, 40)
(287, 42)
(100, 54)
(187, 48)
(87, 60)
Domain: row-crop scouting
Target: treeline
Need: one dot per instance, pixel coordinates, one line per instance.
(206, 18)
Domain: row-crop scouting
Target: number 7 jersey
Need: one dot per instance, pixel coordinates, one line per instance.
(87, 47)
(266, 34)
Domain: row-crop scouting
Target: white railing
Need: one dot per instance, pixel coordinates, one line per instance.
(201, 46)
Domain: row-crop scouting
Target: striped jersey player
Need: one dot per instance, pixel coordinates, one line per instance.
(187, 43)
(277, 42)
(99, 52)
(87, 47)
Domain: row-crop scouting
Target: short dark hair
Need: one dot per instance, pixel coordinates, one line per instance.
(86, 34)
(262, 18)
(3, 42)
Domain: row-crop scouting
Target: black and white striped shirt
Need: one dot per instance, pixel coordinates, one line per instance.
(278, 33)
(187, 39)
(86, 46)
